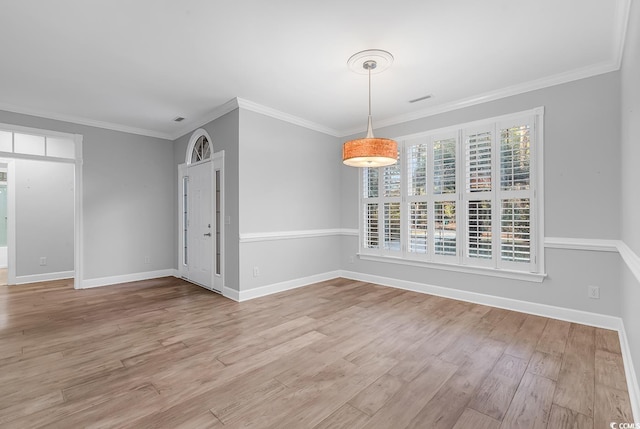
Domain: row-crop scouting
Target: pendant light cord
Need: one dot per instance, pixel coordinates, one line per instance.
(369, 126)
(369, 91)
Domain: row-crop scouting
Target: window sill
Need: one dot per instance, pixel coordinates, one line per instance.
(493, 272)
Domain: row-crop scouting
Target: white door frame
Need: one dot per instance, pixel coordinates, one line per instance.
(218, 270)
(217, 164)
(9, 158)
(11, 221)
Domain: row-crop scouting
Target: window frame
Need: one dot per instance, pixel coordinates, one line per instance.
(534, 270)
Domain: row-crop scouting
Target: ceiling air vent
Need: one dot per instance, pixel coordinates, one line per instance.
(415, 100)
(178, 119)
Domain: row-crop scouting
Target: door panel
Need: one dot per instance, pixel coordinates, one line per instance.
(200, 225)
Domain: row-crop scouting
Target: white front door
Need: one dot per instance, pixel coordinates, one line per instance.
(200, 228)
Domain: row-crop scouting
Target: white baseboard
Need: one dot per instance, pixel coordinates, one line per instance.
(35, 278)
(561, 313)
(282, 286)
(126, 278)
(231, 294)
(632, 380)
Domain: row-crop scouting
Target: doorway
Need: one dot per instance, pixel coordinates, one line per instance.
(4, 253)
(201, 214)
(50, 166)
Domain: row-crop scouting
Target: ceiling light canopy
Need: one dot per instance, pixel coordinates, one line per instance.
(370, 151)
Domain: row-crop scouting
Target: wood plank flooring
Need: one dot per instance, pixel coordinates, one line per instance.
(338, 354)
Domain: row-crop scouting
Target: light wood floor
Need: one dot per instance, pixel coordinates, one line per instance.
(338, 354)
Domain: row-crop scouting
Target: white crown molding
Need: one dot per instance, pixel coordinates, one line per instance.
(622, 18)
(212, 115)
(283, 116)
(84, 121)
(522, 88)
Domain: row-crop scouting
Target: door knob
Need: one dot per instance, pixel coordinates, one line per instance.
(208, 234)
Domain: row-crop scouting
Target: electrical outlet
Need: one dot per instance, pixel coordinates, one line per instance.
(256, 272)
(147, 259)
(352, 259)
(43, 261)
(593, 292)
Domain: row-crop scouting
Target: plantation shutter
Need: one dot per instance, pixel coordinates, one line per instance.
(515, 194)
(417, 199)
(391, 198)
(370, 191)
(478, 196)
(444, 186)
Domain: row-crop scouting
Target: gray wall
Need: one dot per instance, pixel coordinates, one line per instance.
(630, 96)
(44, 217)
(581, 159)
(289, 181)
(129, 214)
(224, 133)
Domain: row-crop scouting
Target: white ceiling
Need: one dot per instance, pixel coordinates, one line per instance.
(136, 65)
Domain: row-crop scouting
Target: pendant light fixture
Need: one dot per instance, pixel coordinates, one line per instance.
(370, 151)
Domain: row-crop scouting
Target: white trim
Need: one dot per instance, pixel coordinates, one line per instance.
(258, 292)
(36, 157)
(350, 231)
(126, 278)
(195, 135)
(290, 235)
(582, 244)
(632, 381)
(78, 237)
(11, 221)
(286, 117)
(238, 102)
(84, 121)
(598, 245)
(631, 259)
(77, 201)
(232, 294)
(35, 278)
(622, 19)
(218, 165)
(538, 195)
(561, 313)
(182, 172)
(203, 120)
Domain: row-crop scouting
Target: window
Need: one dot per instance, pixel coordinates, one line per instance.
(201, 150)
(52, 145)
(466, 196)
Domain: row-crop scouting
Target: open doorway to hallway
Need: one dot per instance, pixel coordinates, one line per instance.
(43, 212)
(4, 254)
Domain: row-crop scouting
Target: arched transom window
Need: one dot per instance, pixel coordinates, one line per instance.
(201, 150)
